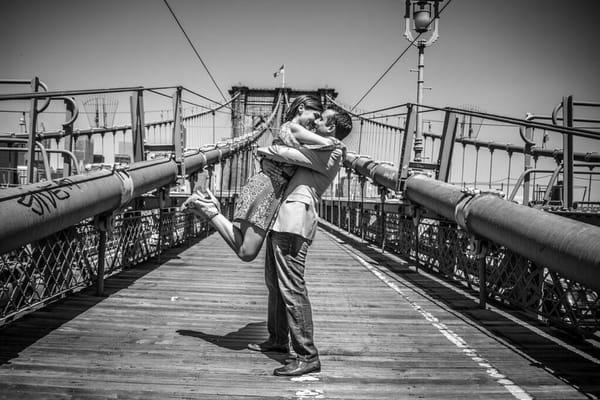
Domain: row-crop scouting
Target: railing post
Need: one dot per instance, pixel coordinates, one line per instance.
(477, 147)
(211, 170)
(491, 168)
(362, 181)
(214, 133)
(33, 115)
(68, 140)
(509, 170)
(527, 165)
(567, 111)
(447, 146)
(382, 194)
(177, 136)
(103, 223)
(479, 248)
(409, 132)
(222, 168)
(339, 196)
(416, 219)
(138, 126)
(348, 218)
(362, 122)
(163, 197)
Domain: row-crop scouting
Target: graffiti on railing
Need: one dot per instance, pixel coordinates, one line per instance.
(43, 202)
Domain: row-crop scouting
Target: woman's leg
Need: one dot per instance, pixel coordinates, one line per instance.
(245, 240)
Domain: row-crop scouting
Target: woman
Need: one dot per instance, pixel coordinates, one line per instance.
(261, 196)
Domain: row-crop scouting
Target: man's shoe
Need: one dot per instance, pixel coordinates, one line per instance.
(298, 367)
(267, 346)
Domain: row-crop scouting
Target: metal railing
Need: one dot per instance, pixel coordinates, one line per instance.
(63, 235)
(524, 258)
(463, 141)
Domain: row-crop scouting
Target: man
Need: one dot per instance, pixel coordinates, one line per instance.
(295, 226)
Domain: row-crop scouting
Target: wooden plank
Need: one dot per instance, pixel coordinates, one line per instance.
(179, 329)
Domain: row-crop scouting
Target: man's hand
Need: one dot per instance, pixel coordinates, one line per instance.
(273, 171)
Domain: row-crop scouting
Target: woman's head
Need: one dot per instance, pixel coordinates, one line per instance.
(304, 109)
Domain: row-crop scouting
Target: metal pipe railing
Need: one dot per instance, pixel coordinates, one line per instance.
(564, 245)
(33, 211)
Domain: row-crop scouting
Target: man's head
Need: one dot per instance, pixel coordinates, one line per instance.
(334, 123)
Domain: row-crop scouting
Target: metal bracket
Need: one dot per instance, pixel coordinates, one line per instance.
(477, 247)
(416, 214)
(163, 197)
(105, 222)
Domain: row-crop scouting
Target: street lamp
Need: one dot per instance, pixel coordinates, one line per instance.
(425, 15)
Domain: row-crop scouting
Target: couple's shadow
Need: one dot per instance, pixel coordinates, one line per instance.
(254, 332)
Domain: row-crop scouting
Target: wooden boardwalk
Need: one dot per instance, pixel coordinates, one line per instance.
(179, 329)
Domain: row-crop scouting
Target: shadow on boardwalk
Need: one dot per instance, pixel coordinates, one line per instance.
(237, 340)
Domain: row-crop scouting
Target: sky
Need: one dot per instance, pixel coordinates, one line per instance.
(507, 57)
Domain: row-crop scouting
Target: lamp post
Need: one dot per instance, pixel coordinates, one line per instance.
(425, 15)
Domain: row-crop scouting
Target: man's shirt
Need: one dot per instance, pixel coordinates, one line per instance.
(316, 170)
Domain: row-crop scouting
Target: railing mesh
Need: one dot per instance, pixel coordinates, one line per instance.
(441, 247)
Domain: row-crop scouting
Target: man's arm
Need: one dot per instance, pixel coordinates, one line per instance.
(316, 160)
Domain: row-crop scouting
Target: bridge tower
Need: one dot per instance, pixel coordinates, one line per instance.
(252, 104)
(255, 103)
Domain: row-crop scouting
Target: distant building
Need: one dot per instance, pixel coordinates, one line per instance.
(84, 150)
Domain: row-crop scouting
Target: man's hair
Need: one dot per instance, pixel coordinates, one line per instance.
(311, 102)
(342, 122)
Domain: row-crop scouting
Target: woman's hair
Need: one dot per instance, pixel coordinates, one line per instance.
(311, 102)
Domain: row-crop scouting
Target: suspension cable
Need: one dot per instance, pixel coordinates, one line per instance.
(194, 48)
(397, 59)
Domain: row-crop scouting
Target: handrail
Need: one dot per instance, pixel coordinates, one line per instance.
(117, 128)
(534, 151)
(564, 245)
(33, 211)
(61, 93)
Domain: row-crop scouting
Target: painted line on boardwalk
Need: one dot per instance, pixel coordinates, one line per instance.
(304, 378)
(454, 338)
(491, 307)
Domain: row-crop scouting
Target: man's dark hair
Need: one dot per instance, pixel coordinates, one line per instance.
(342, 121)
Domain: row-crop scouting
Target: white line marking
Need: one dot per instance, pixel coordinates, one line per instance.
(503, 313)
(310, 393)
(509, 385)
(304, 378)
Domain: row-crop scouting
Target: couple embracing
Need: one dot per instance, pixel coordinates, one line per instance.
(280, 204)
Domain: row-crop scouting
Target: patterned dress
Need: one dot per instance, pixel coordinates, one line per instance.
(260, 197)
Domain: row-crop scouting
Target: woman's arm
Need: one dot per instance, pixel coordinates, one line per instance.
(305, 136)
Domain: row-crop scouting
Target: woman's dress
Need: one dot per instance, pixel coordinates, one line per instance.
(260, 197)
